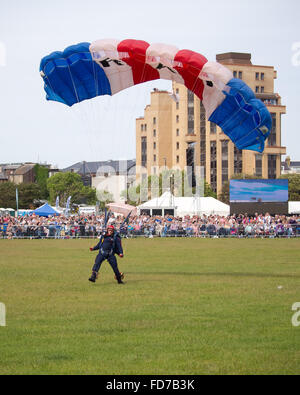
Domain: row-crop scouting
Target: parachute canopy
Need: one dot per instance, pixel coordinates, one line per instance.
(106, 67)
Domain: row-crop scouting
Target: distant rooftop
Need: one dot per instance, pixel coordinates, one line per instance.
(82, 168)
(234, 58)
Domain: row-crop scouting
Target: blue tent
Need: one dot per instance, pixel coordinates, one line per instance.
(45, 211)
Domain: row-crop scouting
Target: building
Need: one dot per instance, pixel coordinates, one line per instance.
(18, 172)
(176, 133)
(110, 176)
(290, 167)
(24, 174)
(3, 177)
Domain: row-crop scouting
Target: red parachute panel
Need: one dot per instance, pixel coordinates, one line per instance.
(133, 53)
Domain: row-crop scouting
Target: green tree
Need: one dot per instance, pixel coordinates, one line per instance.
(208, 192)
(28, 193)
(41, 177)
(104, 197)
(294, 186)
(70, 184)
(8, 195)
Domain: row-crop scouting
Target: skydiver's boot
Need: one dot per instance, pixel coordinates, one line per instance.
(93, 277)
(120, 278)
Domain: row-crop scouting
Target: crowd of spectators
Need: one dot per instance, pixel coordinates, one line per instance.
(91, 226)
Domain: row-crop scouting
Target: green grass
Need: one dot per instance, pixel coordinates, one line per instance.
(189, 306)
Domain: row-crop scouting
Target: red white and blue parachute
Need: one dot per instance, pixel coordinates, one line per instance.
(107, 66)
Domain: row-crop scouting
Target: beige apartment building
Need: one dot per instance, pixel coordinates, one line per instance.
(176, 133)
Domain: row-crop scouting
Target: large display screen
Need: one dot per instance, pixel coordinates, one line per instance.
(259, 191)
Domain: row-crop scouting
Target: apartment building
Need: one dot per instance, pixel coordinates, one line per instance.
(176, 133)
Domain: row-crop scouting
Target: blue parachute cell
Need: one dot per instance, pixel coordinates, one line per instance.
(72, 76)
(243, 118)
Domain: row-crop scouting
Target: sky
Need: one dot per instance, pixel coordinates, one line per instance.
(35, 130)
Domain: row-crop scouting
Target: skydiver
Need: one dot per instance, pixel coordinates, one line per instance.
(109, 245)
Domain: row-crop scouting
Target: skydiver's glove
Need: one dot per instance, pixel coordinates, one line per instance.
(91, 249)
(121, 255)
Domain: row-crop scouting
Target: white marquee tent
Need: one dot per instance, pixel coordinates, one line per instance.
(294, 207)
(184, 206)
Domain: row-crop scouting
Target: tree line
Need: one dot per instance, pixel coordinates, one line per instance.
(32, 195)
(71, 184)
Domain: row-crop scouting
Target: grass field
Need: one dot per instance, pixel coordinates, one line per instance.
(189, 306)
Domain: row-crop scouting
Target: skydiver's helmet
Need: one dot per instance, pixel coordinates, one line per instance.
(110, 229)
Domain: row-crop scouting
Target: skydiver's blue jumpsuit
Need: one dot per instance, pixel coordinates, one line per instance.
(108, 246)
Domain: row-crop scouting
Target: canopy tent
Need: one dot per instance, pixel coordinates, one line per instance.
(181, 206)
(45, 211)
(294, 207)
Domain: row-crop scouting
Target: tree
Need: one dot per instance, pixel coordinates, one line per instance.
(8, 195)
(70, 184)
(294, 186)
(41, 177)
(104, 197)
(28, 193)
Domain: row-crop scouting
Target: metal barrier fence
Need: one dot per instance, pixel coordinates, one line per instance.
(77, 232)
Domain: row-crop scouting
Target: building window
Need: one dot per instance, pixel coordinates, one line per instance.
(191, 125)
(257, 89)
(202, 137)
(177, 159)
(142, 127)
(190, 163)
(238, 161)
(213, 165)
(154, 121)
(177, 145)
(154, 158)
(262, 89)
(144, 151)
(177, 132)
(224, 147)
(154, 145)
(272, 136)
(213, 128)
(177, 118)
(258, 165)
(240, 75)
(177, 91)
(262, 76)
(154, 133)
(272, 162)
(235, 74)
(177, 105)
(145, 127)
(257, 76)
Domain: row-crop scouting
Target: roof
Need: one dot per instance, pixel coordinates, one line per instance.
(122, 167)
(234, 58)
(24, 169)
(45, 211)
(292, 164)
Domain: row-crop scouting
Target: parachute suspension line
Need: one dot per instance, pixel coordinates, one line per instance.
(73, 84)
(82, 108)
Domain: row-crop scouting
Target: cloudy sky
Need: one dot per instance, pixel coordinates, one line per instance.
(32, 129)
